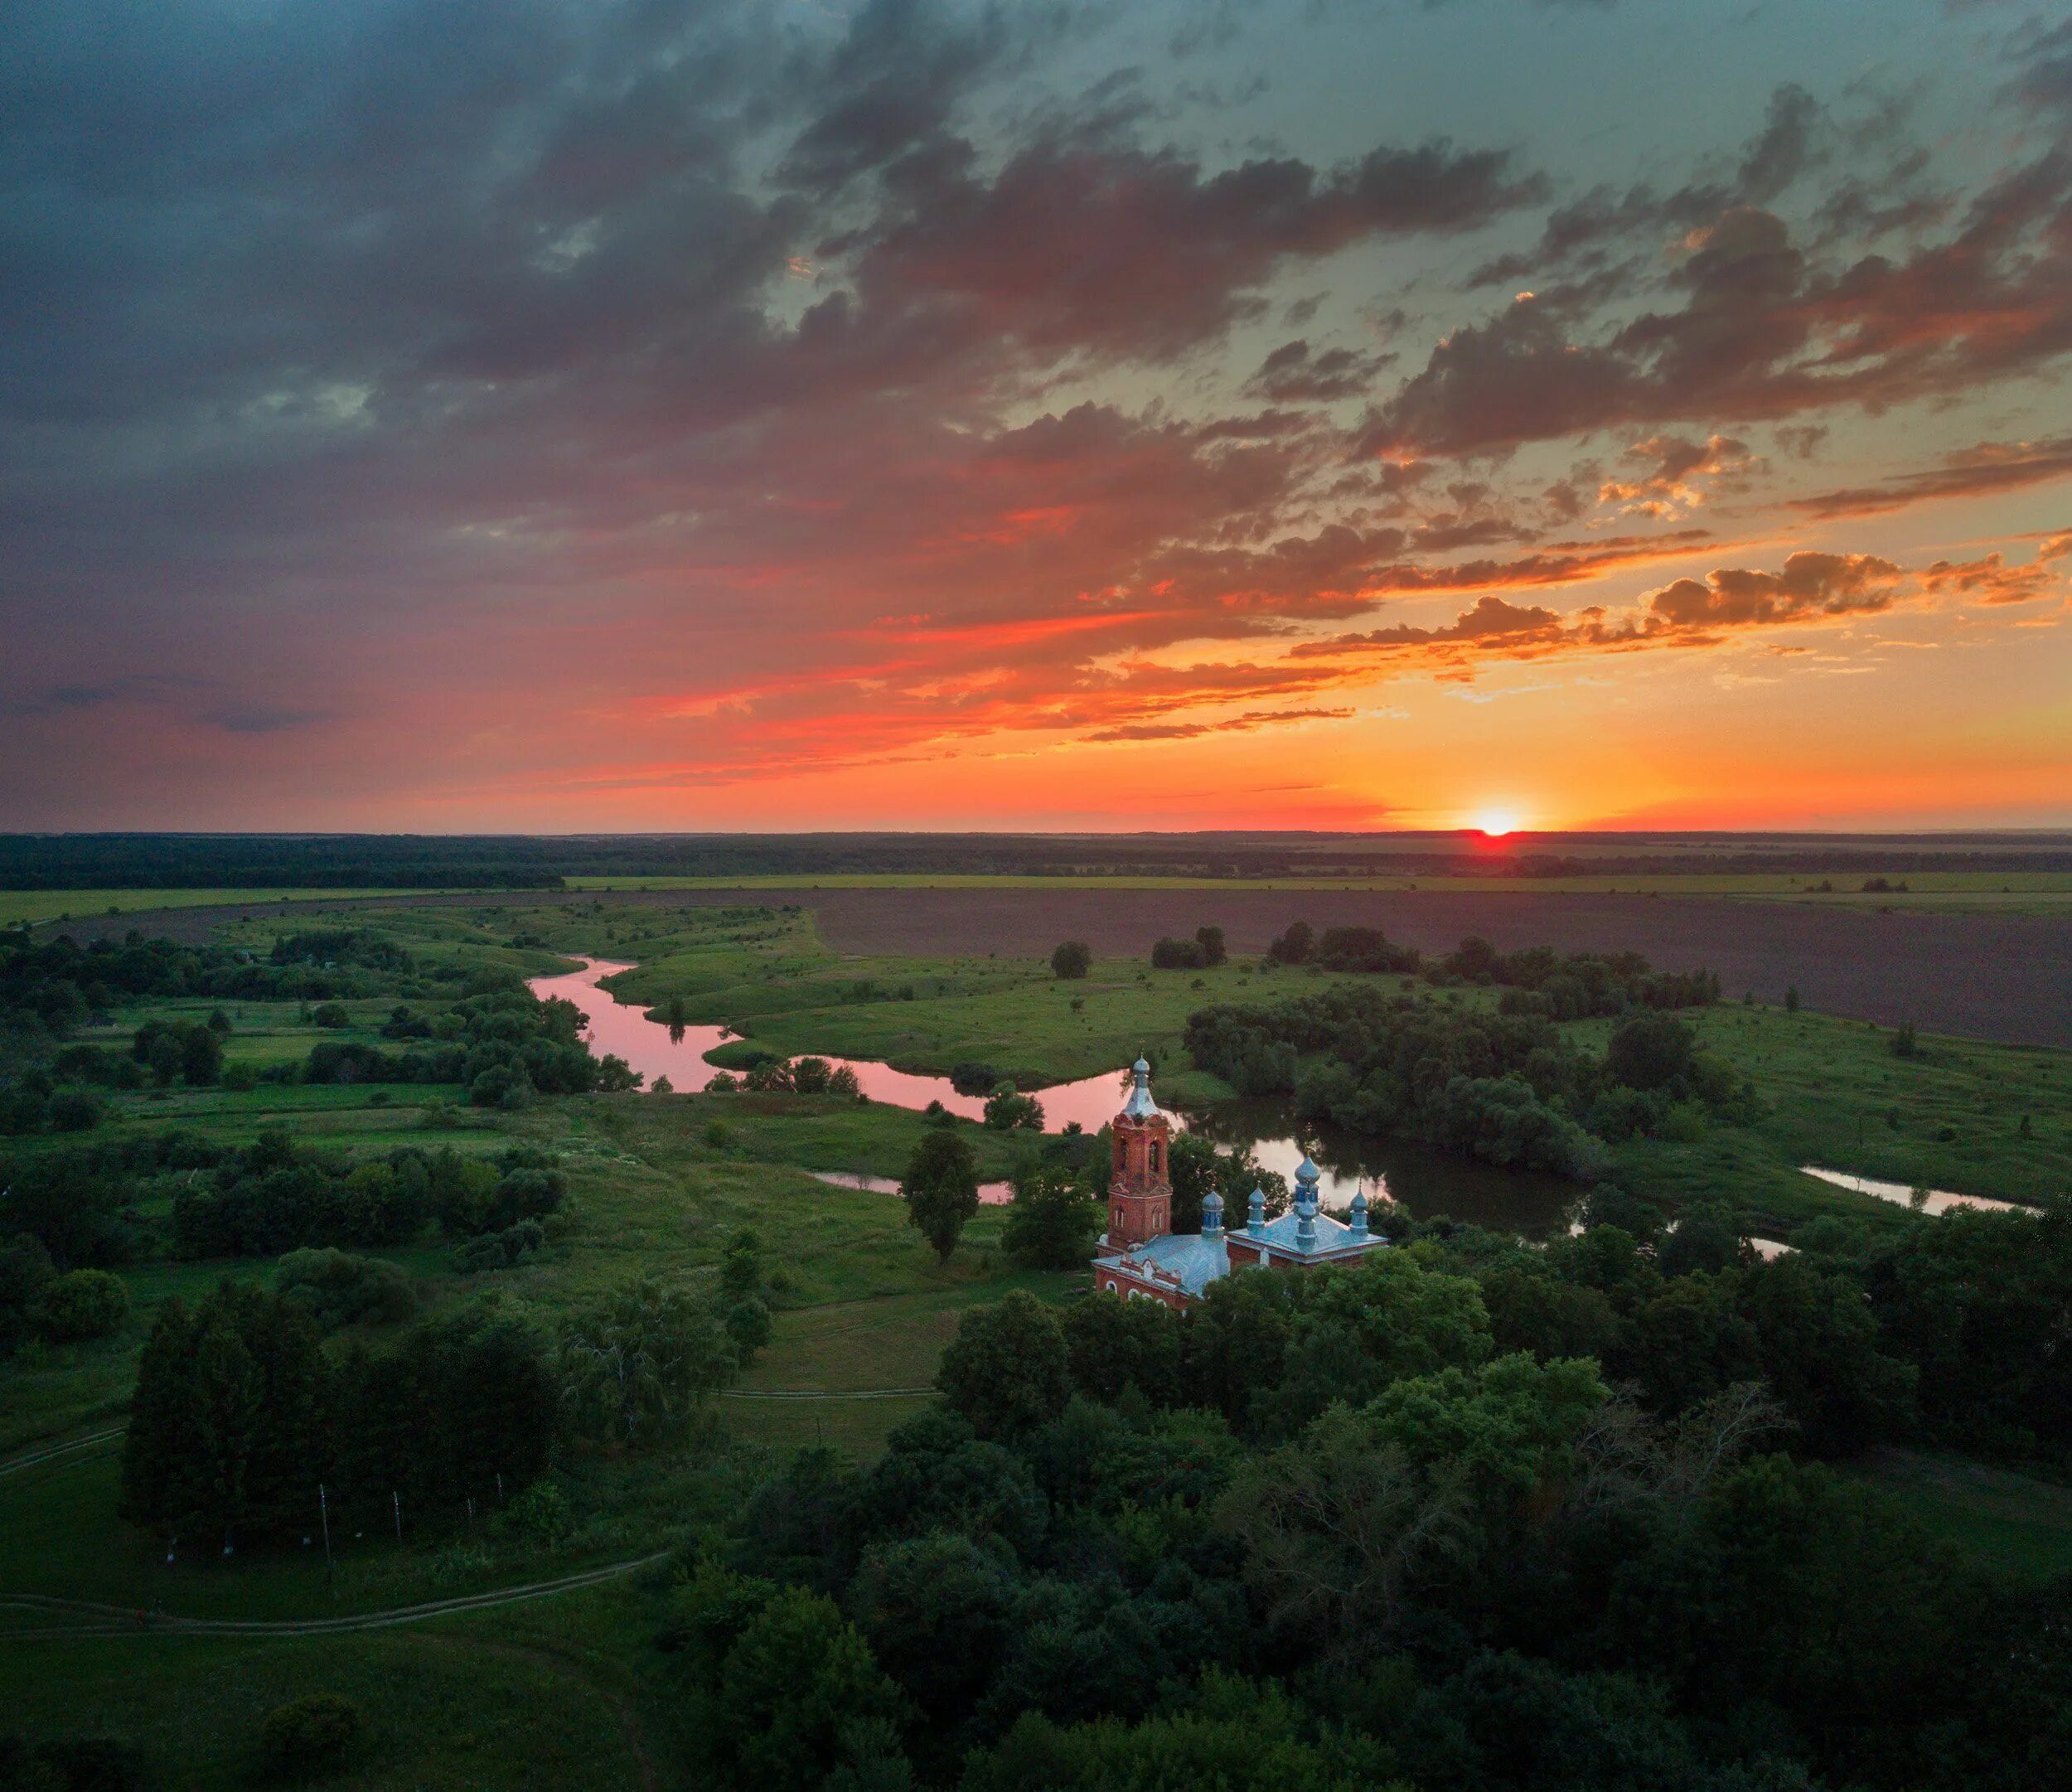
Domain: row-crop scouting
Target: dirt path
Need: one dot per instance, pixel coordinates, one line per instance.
(2004, 978)
(38, 1455)
(96, 1618)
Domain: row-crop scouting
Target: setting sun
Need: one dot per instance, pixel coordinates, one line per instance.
(1495, 822)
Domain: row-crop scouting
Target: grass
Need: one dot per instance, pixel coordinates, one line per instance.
(2048, 893)
(2011, 1523)
(1835, 1095)
(16, 906)
(537, 1700)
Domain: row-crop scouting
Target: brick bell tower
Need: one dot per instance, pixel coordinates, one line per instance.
(1140, 1182)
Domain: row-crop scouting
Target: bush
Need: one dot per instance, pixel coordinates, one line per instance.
(1072, 960)
(1294, 946)
(73, 1111)
(1007, 1109)
(337, 1288)
(307, 1735)
(1171, 954)
(85, 1305)
(541, 1515)
(331, 1015)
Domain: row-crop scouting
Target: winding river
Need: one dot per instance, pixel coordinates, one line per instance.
(1424, 1181)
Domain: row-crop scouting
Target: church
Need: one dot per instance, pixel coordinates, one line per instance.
(1141, 1257)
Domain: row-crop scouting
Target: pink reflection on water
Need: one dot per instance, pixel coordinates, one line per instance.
(623, 1031)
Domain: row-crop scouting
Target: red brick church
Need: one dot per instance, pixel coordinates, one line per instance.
(1141, 1257)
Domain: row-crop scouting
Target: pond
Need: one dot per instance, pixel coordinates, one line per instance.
(1424, 1181)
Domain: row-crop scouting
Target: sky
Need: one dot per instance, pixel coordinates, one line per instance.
(573, 415)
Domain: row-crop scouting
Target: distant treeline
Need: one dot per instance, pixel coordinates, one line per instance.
(348, 861)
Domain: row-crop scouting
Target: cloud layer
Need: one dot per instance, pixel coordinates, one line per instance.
(665, 397)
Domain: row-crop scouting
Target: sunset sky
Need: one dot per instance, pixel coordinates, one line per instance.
(452, 416)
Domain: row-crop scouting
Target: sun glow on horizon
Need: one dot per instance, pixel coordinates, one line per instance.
(1496, 823)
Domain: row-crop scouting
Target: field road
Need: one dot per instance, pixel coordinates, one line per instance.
(94, 1617)
(2003, 978)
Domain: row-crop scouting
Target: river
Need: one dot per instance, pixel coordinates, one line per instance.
(1424, 1181)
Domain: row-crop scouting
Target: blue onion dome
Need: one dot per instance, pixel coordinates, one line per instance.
(1212, 1213)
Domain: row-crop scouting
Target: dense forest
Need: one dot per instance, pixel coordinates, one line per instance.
(1463, 1515)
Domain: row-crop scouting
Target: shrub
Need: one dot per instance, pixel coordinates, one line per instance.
(1006, 1109)
(1072, 960)
(337, 1288)
(331, 1015)
(73, 1111)
(307, 1735)
(1294, 946)
(85, 1305)
(541, 1515)
(1171, 954)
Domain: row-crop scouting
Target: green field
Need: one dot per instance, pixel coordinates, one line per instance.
(18, 906)
(1942, 892)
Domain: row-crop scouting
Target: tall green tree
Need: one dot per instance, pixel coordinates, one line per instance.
(941, 1189)
(801, 1699)
(640, 1363)
(1054, 1218)
(1007, 1370)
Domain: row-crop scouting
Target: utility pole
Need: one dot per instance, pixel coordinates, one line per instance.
(323, 1511)
(395, 1500)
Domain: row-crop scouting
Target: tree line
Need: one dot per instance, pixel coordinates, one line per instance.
(245, 1428)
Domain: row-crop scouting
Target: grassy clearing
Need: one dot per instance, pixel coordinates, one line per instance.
(2010, 1521)
(460, 1703)
(1975, 1118)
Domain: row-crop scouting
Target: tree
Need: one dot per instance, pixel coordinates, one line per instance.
(1211, 941)
(25, 1272)
(201, 1057)
(1054, 1217)
(1007, 1109)
(1652, 1051)
(741, 1269)
(747, 1325)
(1708, 1236)
(1171, 954)
(1070, 961)
(1112, 1343)
(310, 1735)
(1007, 1370)
(640, 1364)
(85, 1305)
(941, 1189)
(935, 1611)
(1294, 946)
(1336, 1525)
(801, 1697)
